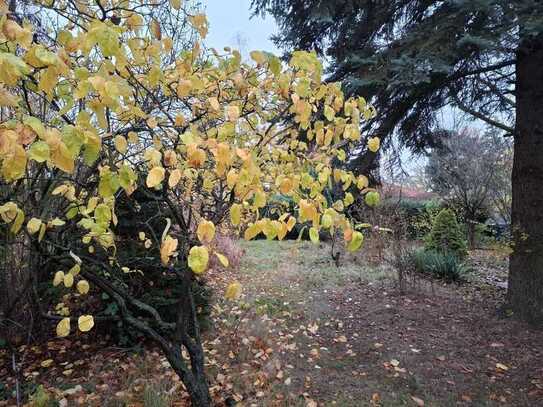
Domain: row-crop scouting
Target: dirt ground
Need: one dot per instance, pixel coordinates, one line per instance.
(306, 333)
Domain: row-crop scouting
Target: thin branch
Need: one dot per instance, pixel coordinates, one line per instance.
(510, 130)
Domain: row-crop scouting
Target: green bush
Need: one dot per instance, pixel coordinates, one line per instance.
(418, 215)
(446, 235)
(443, 265)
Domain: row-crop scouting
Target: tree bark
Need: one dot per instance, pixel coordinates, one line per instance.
(188, 335)
(525, 292)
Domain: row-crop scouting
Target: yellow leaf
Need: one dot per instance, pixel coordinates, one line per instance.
(155, 29)
(349, 199)
(176, 4)
(60, 190)
(46, 363)
(179, 120)
(68, 280)
(232, 113)
(314, 235)
(39, 151)
(206, 231)
(8, 212)
(7, 98)
(258, 56)
(235, 214)
(59, 278)
(198, 259)
(260, 199)
(199, 22)
(282, 232)
(356, 241)
(214, 103)
(60, 155)
(167, 249)
(83, 286)
(372, 199)
(338, 206)
(85, 323)
(308, 212)
(175, 177)
(231, 178)
(223, 156)
(43, 228)
(74, 271)
(252, 231)
(329, 113)
(170, 158)
(362, 182)
(14, 163)
(183, 89)
(56, 222)
(18, 222)
(121, 144)
(141, 236)
(63, 327)
(286, 186)
(195, 156)
(290, 223)
(373, 144)
(33, 225)
(233, 291)
(155, 177)
(326, 221)
(223, 259)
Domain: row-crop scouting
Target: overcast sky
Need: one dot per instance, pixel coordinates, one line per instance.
(230, 24)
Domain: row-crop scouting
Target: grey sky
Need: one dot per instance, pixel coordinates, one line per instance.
(230, 25)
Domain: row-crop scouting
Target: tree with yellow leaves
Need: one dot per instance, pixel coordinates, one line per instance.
(114, 102)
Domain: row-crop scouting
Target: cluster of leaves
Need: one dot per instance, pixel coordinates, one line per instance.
(103, 103)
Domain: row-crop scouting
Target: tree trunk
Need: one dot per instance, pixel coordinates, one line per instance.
(194, 381)
(188, 335)
(525, 293)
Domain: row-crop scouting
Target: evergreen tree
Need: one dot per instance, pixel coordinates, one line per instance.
(446, 236)
(412, 58)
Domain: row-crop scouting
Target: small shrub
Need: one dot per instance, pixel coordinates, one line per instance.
(230, 247)
(443, 265)
(446, 235)
(421, 218)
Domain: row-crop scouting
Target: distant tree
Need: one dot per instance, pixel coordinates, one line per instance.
(502, 193)
(412, 58)
(467, 172)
